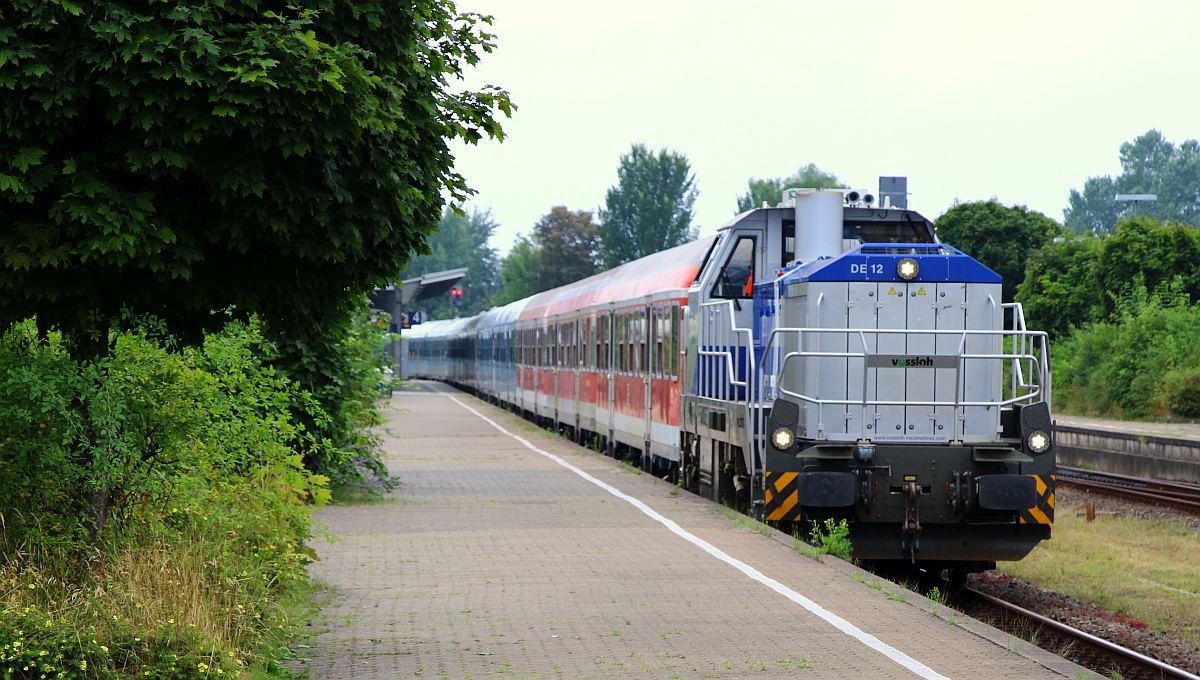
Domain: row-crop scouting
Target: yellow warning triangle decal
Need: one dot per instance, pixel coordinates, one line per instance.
(892, 291)
(921, 291)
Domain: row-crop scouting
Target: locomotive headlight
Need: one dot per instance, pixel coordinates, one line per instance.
(907, 268)
(783, 439)
(1038, 442)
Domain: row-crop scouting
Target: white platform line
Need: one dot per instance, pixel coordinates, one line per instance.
(829, 617)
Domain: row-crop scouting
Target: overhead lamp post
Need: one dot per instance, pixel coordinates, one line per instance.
(1136, 200)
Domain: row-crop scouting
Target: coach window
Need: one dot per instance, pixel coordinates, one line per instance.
(573, 355)
(589, 357)
(631, 336)
(737, 275)
(637, 342)
(560, 345)
(630, 358)
(619, 342)
(631, 330)
(606, 351)
(658, 341)
(602, 339)
(581, 343)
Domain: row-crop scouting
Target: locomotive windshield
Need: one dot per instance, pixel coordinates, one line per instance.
(737, 276)
(888, 231)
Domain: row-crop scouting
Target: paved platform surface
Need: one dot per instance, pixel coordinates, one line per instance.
(494, 559)
(1135, 427)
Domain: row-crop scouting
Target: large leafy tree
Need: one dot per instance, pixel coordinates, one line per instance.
(650, 208)
(1149, 165)
(173, 158)
(770, 191)
(998, 236)
(563, 247)
(568, 247)
(461, 241)
(178, 157)
(519, 271)
(1061, 289)
(1159, 256)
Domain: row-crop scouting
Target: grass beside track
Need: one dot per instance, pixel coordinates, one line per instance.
(1145, 569)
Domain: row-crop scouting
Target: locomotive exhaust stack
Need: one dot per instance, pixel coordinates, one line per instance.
(818, 220)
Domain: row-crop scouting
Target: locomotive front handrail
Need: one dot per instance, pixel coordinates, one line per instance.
(1021, 391)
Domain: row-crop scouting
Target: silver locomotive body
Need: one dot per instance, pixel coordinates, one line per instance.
(874, 376)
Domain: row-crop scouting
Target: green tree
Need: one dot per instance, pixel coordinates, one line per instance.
(650, 208)
(1061, 289)
(1146, 252)
(1096, 210)
(171, 159)
(568, 247)
(770, 191)
(461, 241)
(518, 271)
(1149, 165)
(998, 236)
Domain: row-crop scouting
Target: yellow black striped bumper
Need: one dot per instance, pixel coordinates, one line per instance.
(782, 499)
(1043, 512)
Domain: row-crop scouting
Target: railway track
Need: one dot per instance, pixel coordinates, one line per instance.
(1185, 497)
(1083, 648)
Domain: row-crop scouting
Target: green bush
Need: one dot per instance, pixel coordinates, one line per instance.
(208, 499)
(1181, 392)
(342, 375)
(832, 537)
(1141, 365)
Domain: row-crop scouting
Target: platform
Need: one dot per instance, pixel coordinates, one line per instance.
(1170, 430)
(510, 552)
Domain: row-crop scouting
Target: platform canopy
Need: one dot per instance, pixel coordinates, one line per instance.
(429, 285)
(399, 295)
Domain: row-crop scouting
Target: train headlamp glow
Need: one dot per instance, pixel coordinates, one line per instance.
(783, 438)
(1038, 442)
(907, 268)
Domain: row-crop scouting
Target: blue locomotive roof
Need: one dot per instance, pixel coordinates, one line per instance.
(936, 262)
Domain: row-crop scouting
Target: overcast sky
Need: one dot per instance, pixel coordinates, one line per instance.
(1014, 100)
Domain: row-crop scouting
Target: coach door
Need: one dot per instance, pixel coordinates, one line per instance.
(647, 368)
(606, 418)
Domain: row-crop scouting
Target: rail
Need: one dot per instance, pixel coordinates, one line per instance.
(1185, 497)
(1098, 653)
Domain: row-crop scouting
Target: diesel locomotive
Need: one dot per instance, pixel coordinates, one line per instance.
(826, 358)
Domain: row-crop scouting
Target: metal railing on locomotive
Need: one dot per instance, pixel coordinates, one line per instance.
(726, 365)
(1029, 381)
(720, 345)
(726, 353)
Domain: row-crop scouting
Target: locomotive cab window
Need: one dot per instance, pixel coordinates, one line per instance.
(736, 279)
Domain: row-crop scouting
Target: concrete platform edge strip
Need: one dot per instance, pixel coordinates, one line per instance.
(834, 620)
